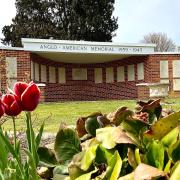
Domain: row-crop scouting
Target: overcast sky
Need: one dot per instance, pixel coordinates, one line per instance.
(135, 18)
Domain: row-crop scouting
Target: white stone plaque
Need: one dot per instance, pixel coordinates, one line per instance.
(79, 74)
(98, 75)
(164, 71)
(176, 68)
(43, 73)
(52, 74)
(131, 75)
(11, 67)
(62, 75)
(120, 74)
(36, 71)
(110, 75)
(140, 71)
(32, 70)
(176, 84)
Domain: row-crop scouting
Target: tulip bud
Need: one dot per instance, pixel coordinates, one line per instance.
(1, 108)
(27, 94)
(11, 106)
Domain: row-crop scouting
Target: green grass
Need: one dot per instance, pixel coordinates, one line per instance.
(68, 112)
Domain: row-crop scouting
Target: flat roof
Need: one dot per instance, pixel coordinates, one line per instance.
(85, 51)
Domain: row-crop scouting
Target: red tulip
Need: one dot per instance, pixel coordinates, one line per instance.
(27, 94)
(11, 106)
(1, 108)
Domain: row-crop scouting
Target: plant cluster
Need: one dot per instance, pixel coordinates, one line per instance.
(125, 144)
(120, 145)
(24, 97)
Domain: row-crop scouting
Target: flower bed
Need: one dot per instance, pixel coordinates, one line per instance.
(125, 144)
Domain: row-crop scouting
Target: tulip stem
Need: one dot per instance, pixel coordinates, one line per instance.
(14, 126)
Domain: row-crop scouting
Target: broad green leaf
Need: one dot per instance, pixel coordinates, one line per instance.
(133, 126)
(131, 158)
(110, 136)
(163, 126)
(74, 167)
(89, 157)
(144, 171)
(91, 125)
(155, 154)
(67, 144)
(171, 137)
(174, 151)
(61, 169)
(87, 176)
(175, 175)
(114, 167)
(61, 177)
(105, 136)
(47, 157)
(103, 155)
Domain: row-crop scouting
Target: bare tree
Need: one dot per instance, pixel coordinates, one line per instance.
(163, 43)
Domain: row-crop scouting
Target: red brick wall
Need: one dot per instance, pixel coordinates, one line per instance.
(88, 90)
(23, 66)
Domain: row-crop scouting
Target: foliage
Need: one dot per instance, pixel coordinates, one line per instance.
(163, 43)
(61, 19)
(12, 166)
(126, 145)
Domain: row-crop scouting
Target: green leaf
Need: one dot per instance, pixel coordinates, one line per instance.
(32, 166)
(61, 169)
(131, 158)
(171, 137)
(39, 135)
(31, 138)
(110, 136)
(3, 155)
(67, 144)
(155, 154)
(74, 166)
(103, 155)
(114, 167)
(61, 177)
(174, 151)
(104, 135)
(175, 175)
(137, 156)
(91, 124)
(89, 157)
(133, 126)
(163, 126)
(86, 176)
(47, 157)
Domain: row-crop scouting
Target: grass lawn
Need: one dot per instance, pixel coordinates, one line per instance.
(68, 112)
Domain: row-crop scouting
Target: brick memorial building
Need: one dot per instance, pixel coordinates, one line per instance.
(80, 70)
